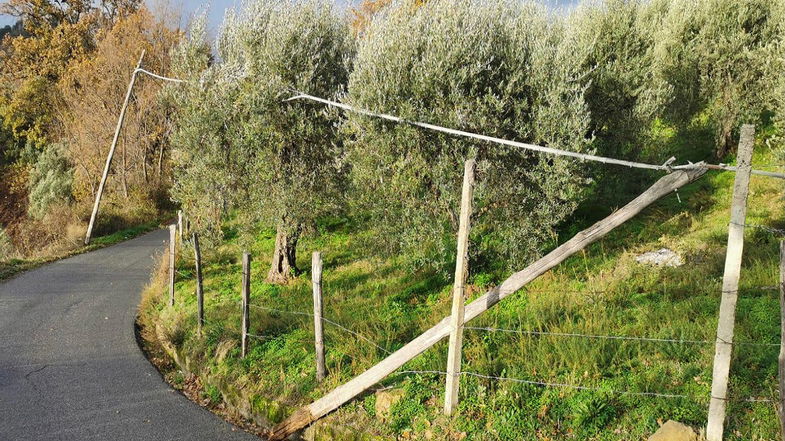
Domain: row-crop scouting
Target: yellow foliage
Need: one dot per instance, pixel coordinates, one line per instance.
(93, 91)
(363, 14)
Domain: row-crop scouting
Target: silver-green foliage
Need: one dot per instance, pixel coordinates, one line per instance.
(721, 57)
(50, 180)
(497, 68)
(775, 75)
(203, 177)
(613, 42)
(238, 144)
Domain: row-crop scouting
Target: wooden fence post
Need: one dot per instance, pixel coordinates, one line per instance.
(318, 330)
(730, 286)
(781, 410)
(459, 291)
(180, 224)
(246, 294)
(109, 156)
(199, 290)
(172, 250)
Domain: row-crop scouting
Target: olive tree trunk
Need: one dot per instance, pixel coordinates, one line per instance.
(284, 263)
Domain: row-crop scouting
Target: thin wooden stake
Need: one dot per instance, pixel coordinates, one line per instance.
(172, 250)
(199, 290)
(180, 224)
(246, 294)
(730, 287)
(782, 340)
(318, 330)
(112, 148)
(459, 292)
(340, 395)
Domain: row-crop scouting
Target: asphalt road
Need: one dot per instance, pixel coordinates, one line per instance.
(70, 368)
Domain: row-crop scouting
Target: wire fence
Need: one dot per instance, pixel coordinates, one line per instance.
(615, 337)
(605, 390)
(326, 320)
(533, 382)
(538, 332)
(530, 333)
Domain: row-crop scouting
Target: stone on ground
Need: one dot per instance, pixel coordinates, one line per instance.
(674, 431)
(385, 400)
(661, 257)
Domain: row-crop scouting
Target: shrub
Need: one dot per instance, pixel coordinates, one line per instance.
(50, 180)
(496, 68)
(6, 247)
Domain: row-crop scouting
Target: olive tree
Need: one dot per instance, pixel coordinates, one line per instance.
(241, 147)
(612, 40)
(717, 54)
(206, 175)
(496, 68)
(775, 76)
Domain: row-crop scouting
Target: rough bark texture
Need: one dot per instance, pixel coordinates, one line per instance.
(724, 138)
(284, 263)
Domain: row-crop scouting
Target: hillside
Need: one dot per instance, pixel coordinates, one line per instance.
(600, 292)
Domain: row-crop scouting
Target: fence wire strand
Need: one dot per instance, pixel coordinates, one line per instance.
(614, 337)
(324, 319)
(579, 387)
(772, 230)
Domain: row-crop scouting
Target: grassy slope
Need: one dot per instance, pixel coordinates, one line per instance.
(600, 291)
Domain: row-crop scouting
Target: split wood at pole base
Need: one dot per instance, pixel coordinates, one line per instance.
(340, 395)
(199, 290)
(318, 325)
(246, 294)
(459, 291)
(782, 340)
(730, 286)
(172, 250)
(112, 148)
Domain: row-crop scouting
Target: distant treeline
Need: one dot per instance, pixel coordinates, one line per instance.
(13, 30)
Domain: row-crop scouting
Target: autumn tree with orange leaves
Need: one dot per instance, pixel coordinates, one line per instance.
(93, 91)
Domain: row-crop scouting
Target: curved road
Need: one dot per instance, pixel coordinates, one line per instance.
(70, 368)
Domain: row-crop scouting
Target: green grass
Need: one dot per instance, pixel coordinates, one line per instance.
(599, 291)
(12, 267)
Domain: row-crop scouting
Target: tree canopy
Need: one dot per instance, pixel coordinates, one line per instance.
(240, 146)
(496, 68)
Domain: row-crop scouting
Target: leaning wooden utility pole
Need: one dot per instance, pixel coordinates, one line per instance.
(108, 164)
(340, 395)
(318, 309)
(459, 292)
(781, 410)
(730, 286)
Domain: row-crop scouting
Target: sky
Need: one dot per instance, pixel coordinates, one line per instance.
(216, 9)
